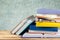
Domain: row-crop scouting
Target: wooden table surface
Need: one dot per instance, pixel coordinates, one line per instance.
(6, 35)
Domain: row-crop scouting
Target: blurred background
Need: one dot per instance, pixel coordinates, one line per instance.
(13, 11)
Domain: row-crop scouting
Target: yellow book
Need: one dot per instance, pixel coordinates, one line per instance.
(47, 24)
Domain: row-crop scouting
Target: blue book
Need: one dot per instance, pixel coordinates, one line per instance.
(51, 29)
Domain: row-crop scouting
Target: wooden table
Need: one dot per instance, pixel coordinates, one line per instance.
(6, 35)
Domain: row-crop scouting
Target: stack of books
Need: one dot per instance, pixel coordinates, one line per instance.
(34, 31)
(22, 27)
(45, 23)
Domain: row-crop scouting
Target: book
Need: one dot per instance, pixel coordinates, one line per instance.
(48, 29)
(48, 20)
(37, 35)
(48, 24)
(28, 35)
(21, 27)
(24, 27)
(48, 11)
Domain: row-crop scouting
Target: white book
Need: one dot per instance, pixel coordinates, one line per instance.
(24, 27)
(56, 35)
(32, 35)
(47, 15)
(21, 26)
(40, 32)
(18, 27)
(28, 35)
